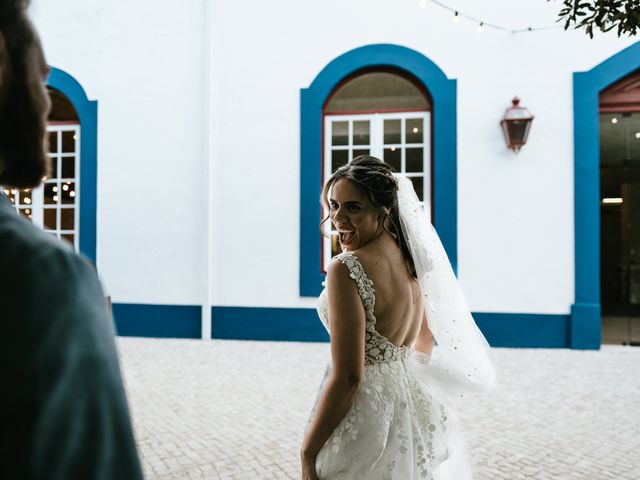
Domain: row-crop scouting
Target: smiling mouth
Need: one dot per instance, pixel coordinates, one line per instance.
(346, 236)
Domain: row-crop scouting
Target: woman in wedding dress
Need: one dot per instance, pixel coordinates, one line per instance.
(383, 410)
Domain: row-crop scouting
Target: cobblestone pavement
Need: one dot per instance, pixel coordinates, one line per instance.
(237, 410)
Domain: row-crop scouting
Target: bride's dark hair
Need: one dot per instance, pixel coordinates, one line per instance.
(375, 180)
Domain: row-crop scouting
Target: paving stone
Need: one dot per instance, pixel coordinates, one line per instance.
(237, 410)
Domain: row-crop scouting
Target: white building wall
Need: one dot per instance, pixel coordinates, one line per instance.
(143, 61)
(515, 213)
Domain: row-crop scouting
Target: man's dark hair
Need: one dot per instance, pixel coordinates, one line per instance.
(23, 159)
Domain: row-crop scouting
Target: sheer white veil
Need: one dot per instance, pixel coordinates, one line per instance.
(461, 361)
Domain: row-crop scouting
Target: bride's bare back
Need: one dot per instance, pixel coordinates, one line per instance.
(398, 307)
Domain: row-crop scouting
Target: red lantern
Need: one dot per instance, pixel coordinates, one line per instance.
(516, 124)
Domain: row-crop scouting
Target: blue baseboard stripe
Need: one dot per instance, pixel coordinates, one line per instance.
(165, 321)
(249, 323)
(524, 330)
(302, 325)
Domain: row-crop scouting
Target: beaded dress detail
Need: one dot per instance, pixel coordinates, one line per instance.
(395, 428)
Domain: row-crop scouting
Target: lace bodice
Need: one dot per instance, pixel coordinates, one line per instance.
(377, 347)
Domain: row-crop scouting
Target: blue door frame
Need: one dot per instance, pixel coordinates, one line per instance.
(586, 323)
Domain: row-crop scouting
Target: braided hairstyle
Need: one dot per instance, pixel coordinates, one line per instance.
(375, 180)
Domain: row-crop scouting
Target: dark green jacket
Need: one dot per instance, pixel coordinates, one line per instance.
(63, 410)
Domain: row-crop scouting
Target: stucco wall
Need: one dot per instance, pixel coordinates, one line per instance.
(145, 64)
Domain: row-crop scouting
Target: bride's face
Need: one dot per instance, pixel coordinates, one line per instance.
(353, 215)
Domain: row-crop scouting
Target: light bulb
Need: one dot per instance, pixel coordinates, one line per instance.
(480, 27)
(423, 3)
(456, 18)
(415, 129)
(393, 149)
(55, 189)
(55, 198)
(72, 193)
(27, 211)
(65, 187)
(27, 200)
(637, 134)
(614, 120)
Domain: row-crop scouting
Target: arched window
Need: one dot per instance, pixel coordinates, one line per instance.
(54, 205)
(381, 113)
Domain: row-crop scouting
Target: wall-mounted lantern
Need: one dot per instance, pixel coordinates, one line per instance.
(516, 124)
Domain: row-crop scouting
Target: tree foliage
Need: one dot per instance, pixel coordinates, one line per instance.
(602, 15)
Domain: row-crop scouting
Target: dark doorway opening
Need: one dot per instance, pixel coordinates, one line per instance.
(620, 211)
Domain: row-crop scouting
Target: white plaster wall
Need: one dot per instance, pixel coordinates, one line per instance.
(515, 213)
(144, 63)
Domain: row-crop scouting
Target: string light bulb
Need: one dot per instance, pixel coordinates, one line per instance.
(637, 134)
(456, 18)
(423, 3)
(480, 27)
(614, 120)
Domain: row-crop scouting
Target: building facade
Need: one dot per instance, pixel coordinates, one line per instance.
(203, 130)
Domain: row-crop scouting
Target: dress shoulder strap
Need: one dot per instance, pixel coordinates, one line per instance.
(365, 285)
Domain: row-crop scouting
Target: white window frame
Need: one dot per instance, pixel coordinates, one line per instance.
(37, 206)
(376, 148)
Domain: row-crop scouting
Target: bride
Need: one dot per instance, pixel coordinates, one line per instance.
(384, 406)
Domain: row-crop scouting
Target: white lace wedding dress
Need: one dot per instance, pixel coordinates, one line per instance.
(395, 428)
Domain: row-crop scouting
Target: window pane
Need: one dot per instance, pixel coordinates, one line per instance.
(67, 218)
(413, 131)
(51, 193)
(361, 133)
(392, 157)
(50, 215)
(335, 245)
(68, 142)
(340, 133)
(26, 213)
(391, 131)
(25, 197)
(338, 159)
(414, 159)
(68, 167)
(357, 153)
(53, 142)
(418, 183)
(54, 168)
(378, 91)
(68, 237)
(68, 192)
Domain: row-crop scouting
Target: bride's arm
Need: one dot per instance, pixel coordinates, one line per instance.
(424, 341)
(347, 325)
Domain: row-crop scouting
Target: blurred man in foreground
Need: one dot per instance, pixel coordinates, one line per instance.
(63, 410)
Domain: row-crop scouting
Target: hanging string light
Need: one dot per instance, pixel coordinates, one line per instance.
(457, 16)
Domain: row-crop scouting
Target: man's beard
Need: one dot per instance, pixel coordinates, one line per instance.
(23, 156)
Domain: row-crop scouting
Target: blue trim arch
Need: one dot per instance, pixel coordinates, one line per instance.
(312, 100)
(88, 115)
(585, 328)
